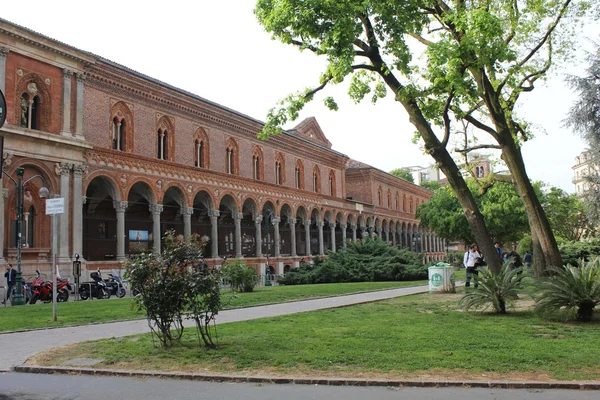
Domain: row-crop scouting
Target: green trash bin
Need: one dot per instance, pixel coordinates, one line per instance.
(441, 278)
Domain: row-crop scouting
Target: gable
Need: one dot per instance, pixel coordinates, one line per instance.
(310, 129)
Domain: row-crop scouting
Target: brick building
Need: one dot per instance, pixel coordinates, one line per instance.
(134, 157)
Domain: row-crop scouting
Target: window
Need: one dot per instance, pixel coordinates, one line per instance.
(230, 156)
(277, 173)
(257, 163)
(255, 167)
(201, 149)
(397, 207)
(30, 111)
(479, 171)
(121, 127)
(380, 196)
(316, 180)
(389, 199)
(118, 129)
(199, 154)
(162, 140)
(279, 169)
(332, 185)
(299, 175)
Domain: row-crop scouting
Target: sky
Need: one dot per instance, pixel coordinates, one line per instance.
(217, 50)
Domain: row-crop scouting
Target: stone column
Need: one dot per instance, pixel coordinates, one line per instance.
(187, 213)
(3, 194)
(3, 53)
(276, 238)
(380, 233)
(214, 240)
(79, 106)
(292, 224)
(78, 171)
(320, 227)
(307, 237)
(237, 220)
(406, 242)
(343, 228)
(156, 210)
(64, 170)
(353, 227)
(387, 234)
(120, 207)
(66, 116)
(332, 228)
(258, 230)
(362, 231)
(394, 237)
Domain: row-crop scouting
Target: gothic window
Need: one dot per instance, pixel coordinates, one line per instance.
(479, 171)
(379, 197)
(30, 111)
(257, 164)
(121, 127)
(316, 180)
(231, 157)
(118, 137)
(299, 174)
(332, 185)
(279, 169)
(397, 201)
(163, 140)
(389, 199)
(201, 149)
(199, 154)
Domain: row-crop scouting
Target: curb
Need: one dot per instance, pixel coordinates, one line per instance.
(312, 381)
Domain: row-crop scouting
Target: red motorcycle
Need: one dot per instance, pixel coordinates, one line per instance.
(42, 289)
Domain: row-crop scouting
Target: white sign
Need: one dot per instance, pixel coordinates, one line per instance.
(55, 206)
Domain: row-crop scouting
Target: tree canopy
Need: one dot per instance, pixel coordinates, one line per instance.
(403, 174)
(451, 65)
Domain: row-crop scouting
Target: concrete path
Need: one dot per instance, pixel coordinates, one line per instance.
(18, 347)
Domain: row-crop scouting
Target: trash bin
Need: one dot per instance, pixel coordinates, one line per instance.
(441, 278)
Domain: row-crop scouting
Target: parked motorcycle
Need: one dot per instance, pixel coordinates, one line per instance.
(115, 284)
(41, 289)
(97, 288)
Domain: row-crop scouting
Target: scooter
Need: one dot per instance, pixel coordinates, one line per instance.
(115, 285)
(97, 288)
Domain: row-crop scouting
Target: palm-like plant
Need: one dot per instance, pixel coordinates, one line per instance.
(569, 288)
(494, 290)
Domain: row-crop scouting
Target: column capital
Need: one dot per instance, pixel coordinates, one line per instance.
(67, 73)
(291, 222)
(79, 170)
(343, 227)
(332, 224)
(213, 213)
(353, 226)
(120, 206)
(320, 224)
(275, 221)
(81, 77)
(83, 199)
(62, 168)
(258, 219)
(156, 209)
(187, 210)
(237, 216)
(4, 52)
(386, 229)
(307, 222)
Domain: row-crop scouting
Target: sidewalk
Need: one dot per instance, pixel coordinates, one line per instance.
(18, 347)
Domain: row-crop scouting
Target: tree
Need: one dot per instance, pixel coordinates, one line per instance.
(403, 174)
(431, 185)
(567, 215)
(500, 206)
(477, 59)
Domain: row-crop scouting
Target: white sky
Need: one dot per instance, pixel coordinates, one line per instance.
(217, 50)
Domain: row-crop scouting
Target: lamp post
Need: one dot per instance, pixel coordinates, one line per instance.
(267, 218)
(19, 299)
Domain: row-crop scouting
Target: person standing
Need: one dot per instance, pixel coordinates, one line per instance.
(11, 280)
(499, 249)
(470, 260)
(528, 259)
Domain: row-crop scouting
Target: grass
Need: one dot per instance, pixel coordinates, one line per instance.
(413, 337)
(96, 311)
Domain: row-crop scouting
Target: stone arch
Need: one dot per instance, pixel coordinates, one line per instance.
(33, 85)
(201, 148)
(149, 191)
(232, 157)
(115, 188)
(182, 192)
(121, 113)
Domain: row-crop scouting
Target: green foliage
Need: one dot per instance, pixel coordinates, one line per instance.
(431, 185)
(567, 215)
(403, 174)
(455, 258)
(573, 252)
(367, 260)
(174, 284)
(570, 289)
(498, 291)
(240, 277)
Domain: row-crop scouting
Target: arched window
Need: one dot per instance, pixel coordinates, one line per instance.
(118, 137)
(299, 175)
(162, 140)
(389, 198)
(316, 180)
(121, 127)
(257, 164)
(201, 149)
(279, 169)
(231, 157)
(30, 111)
(404, 204)
(397, 202)
(380, 197)
(479, 171)
(332, 185)
(199, 162)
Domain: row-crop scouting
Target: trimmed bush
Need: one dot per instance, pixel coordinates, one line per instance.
(367, 260)
(573, 252)
(240, 277)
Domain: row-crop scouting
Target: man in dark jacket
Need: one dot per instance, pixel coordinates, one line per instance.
(11, 280)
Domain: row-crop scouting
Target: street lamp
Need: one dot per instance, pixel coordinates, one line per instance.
(18, 299)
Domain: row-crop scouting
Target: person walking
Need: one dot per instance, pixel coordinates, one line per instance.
(11, 280)
(528, 259)
(470, 262)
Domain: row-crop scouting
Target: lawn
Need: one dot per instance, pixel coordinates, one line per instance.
(94, 311)
(421, 336)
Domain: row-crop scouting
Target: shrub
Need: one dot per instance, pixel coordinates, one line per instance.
(568, 289)
(455, 258)
(573, 252)
(497, 291)
(367, 260)
(240, 277)
(173, 284)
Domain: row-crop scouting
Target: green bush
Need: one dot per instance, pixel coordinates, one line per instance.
(455, 258)
(573, 252)
(240, 277)
(569, 289)
(174, 285)
(497, 291)
(367, 260)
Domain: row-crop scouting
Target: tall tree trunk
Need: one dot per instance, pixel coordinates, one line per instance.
(538, 221)
(538, 256)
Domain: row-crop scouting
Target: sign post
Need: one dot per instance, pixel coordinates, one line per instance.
(53, 207)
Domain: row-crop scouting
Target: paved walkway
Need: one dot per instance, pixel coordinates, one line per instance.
(18, 347)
